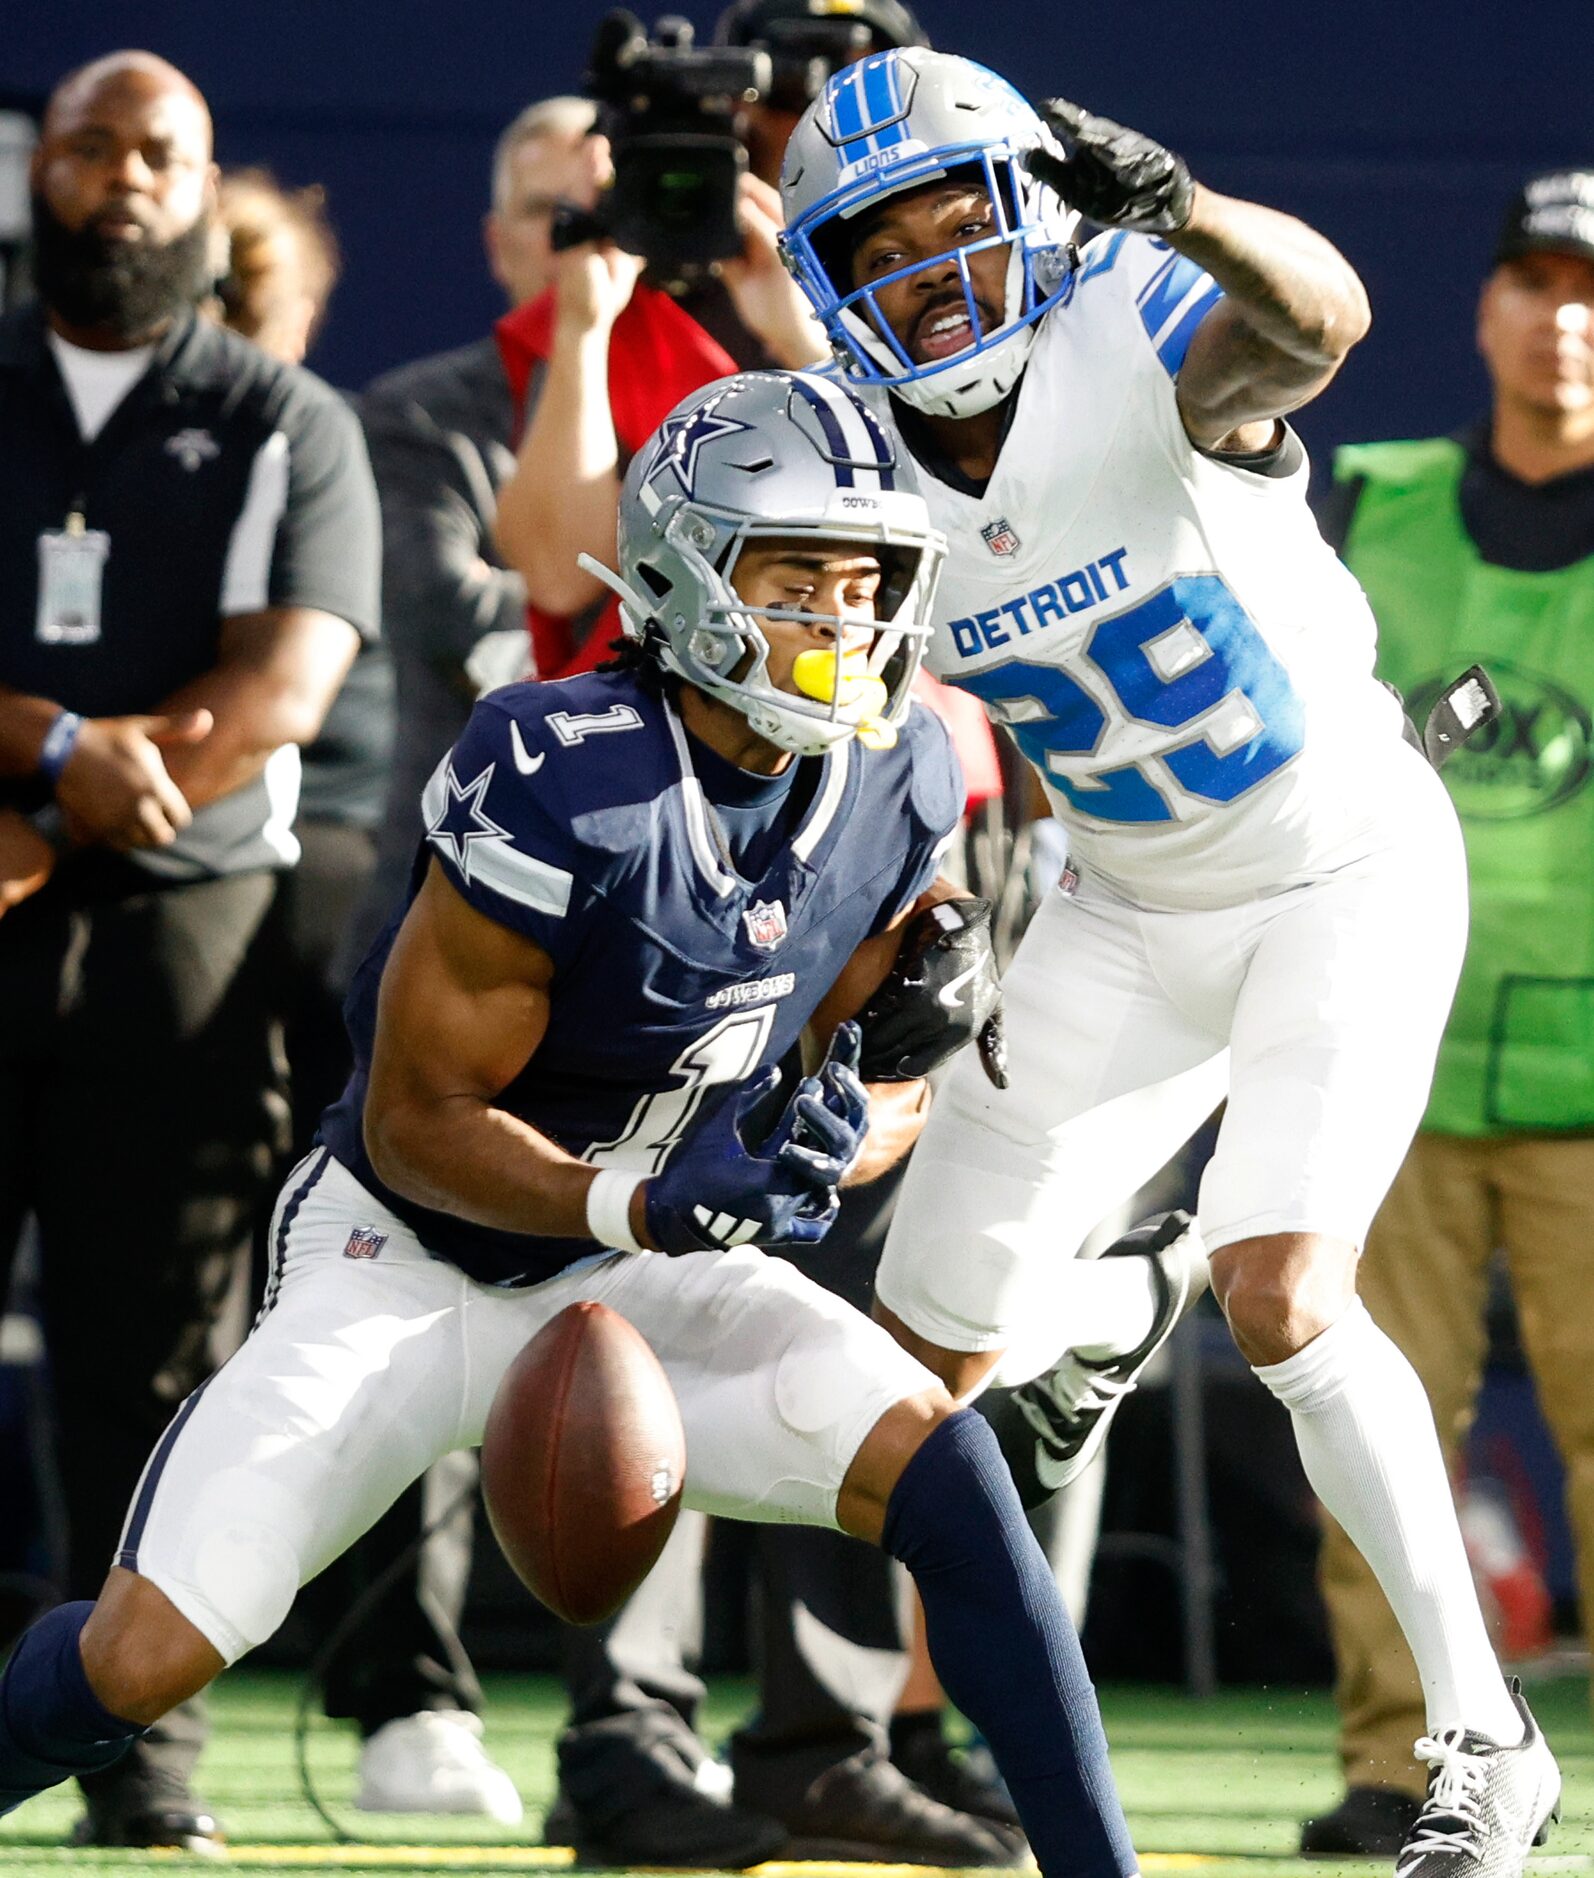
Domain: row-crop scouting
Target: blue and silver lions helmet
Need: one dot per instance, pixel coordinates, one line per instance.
(759, 455)
(896, 121)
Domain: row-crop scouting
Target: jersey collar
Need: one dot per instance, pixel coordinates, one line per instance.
(700, 831)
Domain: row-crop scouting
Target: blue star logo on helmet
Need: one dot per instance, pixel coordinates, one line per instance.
(682, 439)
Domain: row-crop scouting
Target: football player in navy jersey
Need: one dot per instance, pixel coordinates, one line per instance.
(579, 1049)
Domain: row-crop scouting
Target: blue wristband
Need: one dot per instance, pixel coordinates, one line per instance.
(60, 740)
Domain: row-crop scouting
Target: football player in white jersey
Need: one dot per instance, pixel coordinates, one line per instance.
(1266, 899)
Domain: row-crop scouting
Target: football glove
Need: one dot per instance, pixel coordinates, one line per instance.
(1112, 175)
(718, 1190)
(942, 993)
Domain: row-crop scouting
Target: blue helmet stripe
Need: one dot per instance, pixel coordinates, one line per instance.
(864, 97)
(834, 436)
(877, 90)
(884, 94)
(847, 107)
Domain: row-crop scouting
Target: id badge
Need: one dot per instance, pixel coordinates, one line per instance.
(71, 575)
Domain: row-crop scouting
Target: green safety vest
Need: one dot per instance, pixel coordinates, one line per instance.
(1519, 1050)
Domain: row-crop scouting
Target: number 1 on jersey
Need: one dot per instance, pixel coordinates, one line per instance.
(730, 1052)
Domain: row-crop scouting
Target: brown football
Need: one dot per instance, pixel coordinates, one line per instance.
(582, 1462)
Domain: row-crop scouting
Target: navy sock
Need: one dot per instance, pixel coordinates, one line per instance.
(52, 1725)
(1004, 1647)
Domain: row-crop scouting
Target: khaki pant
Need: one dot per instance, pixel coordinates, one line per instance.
(1424, 1278)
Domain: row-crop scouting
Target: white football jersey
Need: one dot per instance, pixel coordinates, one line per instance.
(1173, 645)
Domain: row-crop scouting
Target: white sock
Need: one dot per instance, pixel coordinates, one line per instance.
(1366, 1436)
(1094, 1309)
(1109, 1305)
(1101, 1306)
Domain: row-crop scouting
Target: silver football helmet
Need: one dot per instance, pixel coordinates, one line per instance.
(758, 455)
(896, 121)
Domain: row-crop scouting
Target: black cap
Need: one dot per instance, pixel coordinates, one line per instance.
(1554, 212)
(749, 22)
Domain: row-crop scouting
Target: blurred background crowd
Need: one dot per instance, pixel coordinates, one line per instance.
(192, 867)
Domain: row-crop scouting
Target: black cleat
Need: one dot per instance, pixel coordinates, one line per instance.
(1486, 1806)
(866, 1809)
(672, 1824)
(1051, 1429)
(960, 1780)
(182, 1828)
(1370, 1822)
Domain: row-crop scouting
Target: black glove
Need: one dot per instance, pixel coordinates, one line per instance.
(941, 994)
(1112, 175)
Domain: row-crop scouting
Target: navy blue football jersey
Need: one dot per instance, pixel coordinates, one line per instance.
(571, 812)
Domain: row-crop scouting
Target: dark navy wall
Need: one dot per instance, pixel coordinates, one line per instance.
(1399, 129)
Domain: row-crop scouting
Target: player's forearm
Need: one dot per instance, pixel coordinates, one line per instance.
(897, 1114)
(1291, 285)
(461, 1155)
(564, 496)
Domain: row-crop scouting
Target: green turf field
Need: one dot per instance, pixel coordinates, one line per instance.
(1216, 1787)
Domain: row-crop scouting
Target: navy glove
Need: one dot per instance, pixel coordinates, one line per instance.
(718, 1190)
(1112, 175)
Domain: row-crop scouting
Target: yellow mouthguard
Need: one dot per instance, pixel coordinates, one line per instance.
(848, 683)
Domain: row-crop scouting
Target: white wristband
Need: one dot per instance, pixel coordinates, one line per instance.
(609, 1209)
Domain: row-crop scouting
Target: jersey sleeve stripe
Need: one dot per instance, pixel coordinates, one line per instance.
(1166, 306)
(522, 878)
(1172, 350)
(246, 573)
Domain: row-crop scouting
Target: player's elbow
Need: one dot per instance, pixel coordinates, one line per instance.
(1343, 321)
(397, 1145)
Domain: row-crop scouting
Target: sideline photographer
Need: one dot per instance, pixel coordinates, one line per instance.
(691, 144)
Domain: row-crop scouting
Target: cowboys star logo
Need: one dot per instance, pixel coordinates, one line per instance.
(684, 437)
(462, 821)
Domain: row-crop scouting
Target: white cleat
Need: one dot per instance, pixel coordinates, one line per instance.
(1487, 1805)
(434, 1762)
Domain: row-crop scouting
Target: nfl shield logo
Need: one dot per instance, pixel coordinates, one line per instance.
(999, 537)
(766, 924)
(364, 1243)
